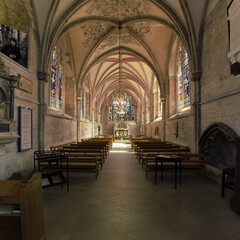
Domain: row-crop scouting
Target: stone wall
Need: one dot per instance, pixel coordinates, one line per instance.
(25, 95)
(157, 130)
(181, 131)
(59, 130)
(219, 89)
(87, 129)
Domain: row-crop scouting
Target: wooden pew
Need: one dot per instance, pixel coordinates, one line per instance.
(95, 154)
(190, 161)
(89, 148)
(97, 140)
(103, 146)
(152, 147)
(75, 163)
(152, 153)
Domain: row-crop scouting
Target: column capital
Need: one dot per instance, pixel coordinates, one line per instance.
(163, 100)
(79, 99)
(42, 76)
(196, 76)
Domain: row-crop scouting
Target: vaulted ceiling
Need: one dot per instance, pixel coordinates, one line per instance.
(148, 32)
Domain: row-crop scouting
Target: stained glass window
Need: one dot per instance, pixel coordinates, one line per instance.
(159, 104)
(53, 93)
(132, 112)
(60, 88)
(122, 107)
(183, 79)
(110, 113)
(186, 80)
(56, 87)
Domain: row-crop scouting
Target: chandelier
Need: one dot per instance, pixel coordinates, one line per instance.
(121, 99)
(120, 59)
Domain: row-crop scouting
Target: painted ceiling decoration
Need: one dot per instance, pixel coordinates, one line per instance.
(92, 32)
(119, 9)
(141, 28)
(150, 32)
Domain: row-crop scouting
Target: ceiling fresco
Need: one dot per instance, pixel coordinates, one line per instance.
(119, 9)
(93, 31)
(150, 29)
(112, 41)
(141, 28)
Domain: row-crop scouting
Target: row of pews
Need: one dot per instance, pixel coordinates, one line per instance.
(88, 155)
(85, 156)
(147, 150)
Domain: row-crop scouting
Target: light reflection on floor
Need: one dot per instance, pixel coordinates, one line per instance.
(121, 147)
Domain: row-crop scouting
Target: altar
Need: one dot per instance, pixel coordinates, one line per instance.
(121, 130)
(121, 133)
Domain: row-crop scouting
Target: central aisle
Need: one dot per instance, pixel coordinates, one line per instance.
(123, 205)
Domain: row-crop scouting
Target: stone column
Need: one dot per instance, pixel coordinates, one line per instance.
(196, 76)
(42, 78)
(78, 116)
(93, 119)
(14, 80)
(163, 100)
(154, 105)
(99, 117)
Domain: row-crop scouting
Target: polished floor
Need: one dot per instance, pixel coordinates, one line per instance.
(123, 205)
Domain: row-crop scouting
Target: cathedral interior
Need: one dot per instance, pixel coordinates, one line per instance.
(166, 70)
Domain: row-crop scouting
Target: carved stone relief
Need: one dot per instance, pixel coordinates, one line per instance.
(7, 124)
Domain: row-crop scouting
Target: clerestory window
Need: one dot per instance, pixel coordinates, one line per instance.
(56, 96)
(183, 92)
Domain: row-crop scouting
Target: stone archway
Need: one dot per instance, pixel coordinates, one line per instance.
(218, 142)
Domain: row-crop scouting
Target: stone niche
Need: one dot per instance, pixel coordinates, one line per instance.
(8, 129)
(234, 35)
(218, 142)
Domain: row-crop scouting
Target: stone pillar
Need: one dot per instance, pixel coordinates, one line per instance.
(42, 79)
(93, 129)
(154, 105)
(78, 116)
(196, 76)
(14, 80)
(99, 117)
(163, 100)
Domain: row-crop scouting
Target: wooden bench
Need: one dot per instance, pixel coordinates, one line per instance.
(95, 154)
(90, 148)
(190, 161)
(78, 164)
(151, 153)
(75, 163)
(99, 140)
(153, 148)
(105, 148)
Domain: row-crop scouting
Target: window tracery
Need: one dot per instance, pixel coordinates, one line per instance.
(56, 96)
(121, 107)
(159, 104)
(183, 79)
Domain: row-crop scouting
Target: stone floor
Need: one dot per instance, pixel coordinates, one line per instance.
(123, 204)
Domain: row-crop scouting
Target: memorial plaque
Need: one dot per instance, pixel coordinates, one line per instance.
(25, 129)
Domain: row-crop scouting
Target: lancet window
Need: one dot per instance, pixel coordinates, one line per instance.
(56, 96)
(183, 92)
(121, 107)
